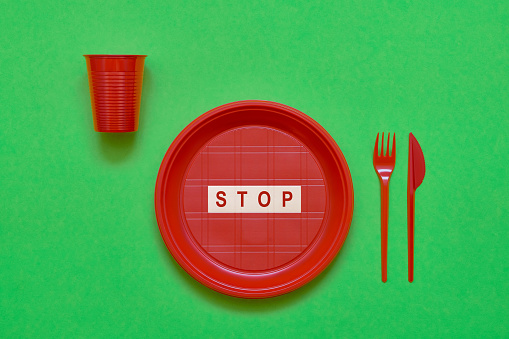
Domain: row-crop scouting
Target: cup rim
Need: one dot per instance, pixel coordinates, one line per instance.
(114, 55)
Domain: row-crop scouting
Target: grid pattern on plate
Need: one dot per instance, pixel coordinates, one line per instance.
(254, 156)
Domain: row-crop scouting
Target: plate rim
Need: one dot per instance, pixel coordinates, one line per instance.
(226, 287)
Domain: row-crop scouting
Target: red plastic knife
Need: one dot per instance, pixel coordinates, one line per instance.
(416, 171)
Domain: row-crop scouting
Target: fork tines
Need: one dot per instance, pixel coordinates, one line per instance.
(381, 153)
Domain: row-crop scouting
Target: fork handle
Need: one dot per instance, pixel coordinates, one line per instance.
(385, 221)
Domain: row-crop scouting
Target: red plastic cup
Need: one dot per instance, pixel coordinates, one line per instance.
(115, 83)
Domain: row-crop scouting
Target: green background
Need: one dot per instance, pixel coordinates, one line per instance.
(80, 251)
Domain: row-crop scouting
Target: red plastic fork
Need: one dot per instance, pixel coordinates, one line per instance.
(384, 165)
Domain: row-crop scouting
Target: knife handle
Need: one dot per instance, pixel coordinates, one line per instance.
(384, 222)
(410, 217)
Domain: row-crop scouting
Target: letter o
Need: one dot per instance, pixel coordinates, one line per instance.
(260, 198)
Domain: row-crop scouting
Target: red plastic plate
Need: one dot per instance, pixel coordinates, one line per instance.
(254, 199)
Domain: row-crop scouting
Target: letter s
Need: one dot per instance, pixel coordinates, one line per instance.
(223, 204)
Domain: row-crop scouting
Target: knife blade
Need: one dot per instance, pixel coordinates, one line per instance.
(416, 172)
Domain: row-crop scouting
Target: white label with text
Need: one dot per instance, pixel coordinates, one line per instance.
(254, 199)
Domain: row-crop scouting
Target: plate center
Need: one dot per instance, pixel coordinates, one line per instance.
(254, 198)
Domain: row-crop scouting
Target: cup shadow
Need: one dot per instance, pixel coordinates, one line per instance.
(115, 147)
(238, 304)
(146, 97)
